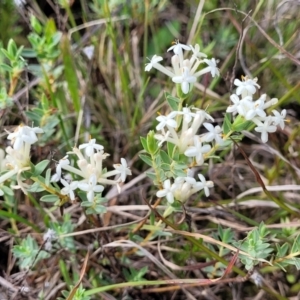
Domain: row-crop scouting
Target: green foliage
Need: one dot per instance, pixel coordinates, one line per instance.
(16, 63)
(44, 40)
(172, 101)
(5, 100)
(79, 294)
(256, 245)
(49, 83)
(28, 253)
(135, 275)
(95, 207)
(64, 227)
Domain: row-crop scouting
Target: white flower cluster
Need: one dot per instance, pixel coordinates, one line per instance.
(185, 70)
(17, 158)
(254, 110)
(91, 171)
(183, 188)
(189, 143)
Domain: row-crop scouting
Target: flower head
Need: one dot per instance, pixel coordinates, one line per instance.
(22, 135)
(122, 169)
(91, 187)
(154, 60)
(264, 128)
(185, 79)
(68, 189)
(90, 147)
(246, 87)
(167, 191)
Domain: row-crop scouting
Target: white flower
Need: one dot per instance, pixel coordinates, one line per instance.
(278, 118)
(245, 105)
(177, 48)
(246, 87)
(90, 147)
(91, 187)
(167, 191)
(122, 169)
(236, 102)
(196, 52)
(62, 162)
(256, 110)
(197, 151)
(154, 63)
(23, 134)
(212, 64)
(154, 60)
(69, 188)
(264, 128)
(187, 114)
(213, 133)
(185, 79)
(269, 103)
(167, 121)
(183, 188)
(205, 184)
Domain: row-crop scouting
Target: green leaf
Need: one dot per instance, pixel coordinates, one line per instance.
(240, 123)
(35, 24)
(247, 125)
(172, 101)
(170, 148)
(144, 143)
(100, 209)
(6, 68)
(146, 159)
(48, 177)
(296, 245)
(28, 53)
(86, 204)
(70, 72)
(49, 198)
(227, 124)
(7, 191)
(151, 175)
(36, 188)
(40, 167)
(165, 157)
(152, 143)
(90, 211)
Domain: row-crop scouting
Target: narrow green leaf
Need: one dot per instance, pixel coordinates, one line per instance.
(227, 124)
(165, 157)
(100, 209)
(49, 198)
(70, 72)
(6, 67)
(151, 175)
(172, 101)
(170, 147)
(40, 167)
(144, 143)
(146, 159)
(152, 143)
(48, 177)
(246, 125)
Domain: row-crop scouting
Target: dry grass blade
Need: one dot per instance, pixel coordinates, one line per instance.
(82, 272)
